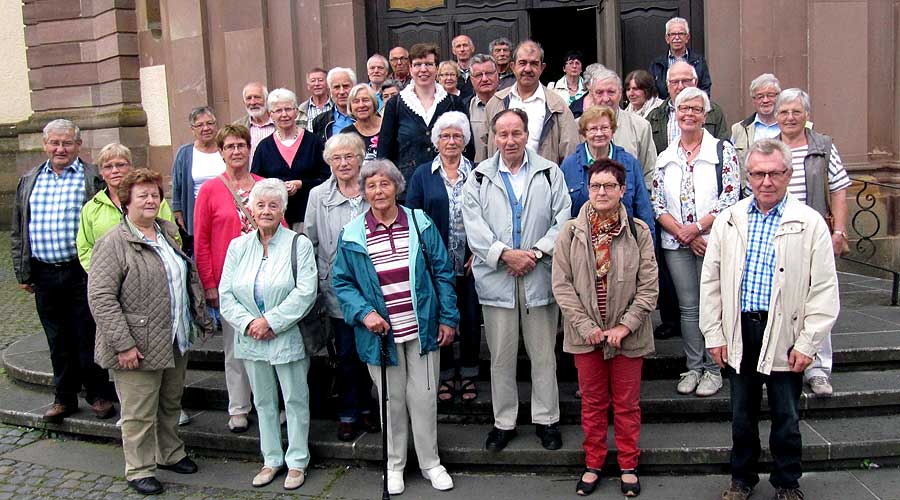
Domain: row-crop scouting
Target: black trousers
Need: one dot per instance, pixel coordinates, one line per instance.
(783, 391)
(469, 331)
(60, 293)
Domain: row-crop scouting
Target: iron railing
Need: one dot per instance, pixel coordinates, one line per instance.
(867, 224)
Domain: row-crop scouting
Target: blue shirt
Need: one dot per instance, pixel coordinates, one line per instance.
(764, 131)
(759, 269)
(55, 206)
(341, 121)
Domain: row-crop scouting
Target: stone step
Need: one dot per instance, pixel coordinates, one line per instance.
(665, 447)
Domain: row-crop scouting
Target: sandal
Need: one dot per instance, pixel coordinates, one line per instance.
(446, 391)
(630, 489)
(467, 389)
(584, 488)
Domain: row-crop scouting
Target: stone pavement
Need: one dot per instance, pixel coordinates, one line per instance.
(16, 306)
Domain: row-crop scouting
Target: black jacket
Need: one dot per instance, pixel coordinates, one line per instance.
(308, 166)
(660, 66)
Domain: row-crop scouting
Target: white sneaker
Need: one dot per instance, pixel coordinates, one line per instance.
(183, 418)
(238, 423)
(440, 479)
(710, 383)
(395, 482)
(688, 382)
(820, 385)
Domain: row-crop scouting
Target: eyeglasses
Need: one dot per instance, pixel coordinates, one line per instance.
(199, 125)
(338, 159)
(483, 74)
(281, 111)
(235, 146)
(683, 82)
(119, 165)
(793, 113)
(603, 128)
(398, 59)
(423, 64)
(767, 95)
(691, 109)
(677, 34)
(451, 137)
(761, 176)
(607, 187)
(64, 144)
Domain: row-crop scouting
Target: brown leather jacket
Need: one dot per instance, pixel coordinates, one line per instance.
(633, 286)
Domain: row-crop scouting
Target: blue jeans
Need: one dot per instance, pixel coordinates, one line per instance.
(783, 390)
(352, 382)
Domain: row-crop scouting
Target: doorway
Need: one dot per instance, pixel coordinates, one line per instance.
(560, 30)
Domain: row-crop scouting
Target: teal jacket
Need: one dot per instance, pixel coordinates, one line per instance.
(359, 293)
(286, 300)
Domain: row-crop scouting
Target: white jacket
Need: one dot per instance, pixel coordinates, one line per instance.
(804, 301)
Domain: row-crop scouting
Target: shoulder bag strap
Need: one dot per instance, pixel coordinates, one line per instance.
(237, 201)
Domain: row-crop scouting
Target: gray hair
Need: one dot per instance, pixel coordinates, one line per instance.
(198, 111)
(281, 95)
(483, 58)
(540, 49)
(590, 70)
(764, 80)
(333, 72)
(791, 95)
(693, 70)
(377, 57)
(269, 188)
(383, 167)
(768, 147)
(678, 20)
(692, 93)
(346, 140)
(451, 119)
(390, 83)
(603, 74)
(256, 84)
(361, 87)
(499, 41)
(62, 125)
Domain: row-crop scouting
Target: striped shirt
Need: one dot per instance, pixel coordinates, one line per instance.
(837, 174)
(673, 131)
(55, 206)
(258, 133)
(313, 111)
(388, 247)
(759, 268)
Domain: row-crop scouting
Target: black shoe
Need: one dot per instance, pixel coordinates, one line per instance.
(183, 466)
(551, 439)
(584, 488)
(498, 439)
(146, 486)
(630, 489)
(666, 331)
(346, 431)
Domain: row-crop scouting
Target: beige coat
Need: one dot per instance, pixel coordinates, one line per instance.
(128, 293)
(633, 286)
(804, 301)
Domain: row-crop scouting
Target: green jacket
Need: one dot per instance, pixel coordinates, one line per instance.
(659, 121)
(98, 216)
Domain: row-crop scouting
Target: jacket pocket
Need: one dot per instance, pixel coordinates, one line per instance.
(139, 327)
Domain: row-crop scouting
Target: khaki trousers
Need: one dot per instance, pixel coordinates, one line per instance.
(150, 404)
(412, 396)
(538, 327)
(236, 381)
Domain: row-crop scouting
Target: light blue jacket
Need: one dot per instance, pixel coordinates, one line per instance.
(285, 301)
(358, 291)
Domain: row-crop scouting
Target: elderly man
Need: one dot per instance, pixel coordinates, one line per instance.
(632, 132)
(463, 50)
(340, 81)
(678, 35)
(377, 70)
(769, 297)
(551, 127)
(485, 79)
(399, 59)
(761, 124)
(501, 51)
(48, 205)
(662, 119)
(319, 101)
(513, 207)
(257, 119)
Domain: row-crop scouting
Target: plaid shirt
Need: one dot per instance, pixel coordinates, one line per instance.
(55, 206)
(672, 130)
(756, 289)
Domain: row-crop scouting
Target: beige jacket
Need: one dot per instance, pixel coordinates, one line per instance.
(633, 286)
(128, 293)
(804, 302)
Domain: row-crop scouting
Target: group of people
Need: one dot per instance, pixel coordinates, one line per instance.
(417, 208)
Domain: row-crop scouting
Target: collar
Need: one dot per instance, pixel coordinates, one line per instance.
(537, 96)
(501, 165)
(328, 104)
(761, 123)
(372, 223)
(253, 124)
(76, 166)
(590, 157)
(777, 210)
(338, 114)
(409, 97)
(140, 235)
(687, 53)
(465, 166)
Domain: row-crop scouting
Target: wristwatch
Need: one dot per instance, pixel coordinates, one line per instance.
(538, 254)
(699, 227)
(843, 235)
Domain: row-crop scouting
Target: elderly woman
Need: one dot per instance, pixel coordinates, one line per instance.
(393, 255)
(819, 180)
(696, 178)
(268, 284)
(571, 86)
(222, 214)
(290, 154)
(640, 89)
(331, 206)
(436, 187)
(144, 342)
(195, 163)
(389, 89)
(363, 108)
(409, 118)
(604, 279)
(597, 126)
(448, 77)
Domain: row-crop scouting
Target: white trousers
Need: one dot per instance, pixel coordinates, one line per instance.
(236, 381)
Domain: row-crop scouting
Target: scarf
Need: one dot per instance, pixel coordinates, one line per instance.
(602, 233)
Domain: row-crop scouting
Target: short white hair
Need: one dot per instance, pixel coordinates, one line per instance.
(590, 70)
(333, 72)
(768, 147)
(678, 20)
(764, 80)
(451, 119)
(270, 188)
(265, 90)
(62, 125)
(281, 95)
(604, 74)
(377, 57)
(689, 65)
(384, 167)
(693, 93)
(791, 95)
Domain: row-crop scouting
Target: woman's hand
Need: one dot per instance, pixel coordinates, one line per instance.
(259, 329)
(468, 265)
(446, 334)
(376, 324)
(212, 297)
(293, 187)
(596, 337)
(130, 359)
(699, 247)
(687, 233)
(615, 335)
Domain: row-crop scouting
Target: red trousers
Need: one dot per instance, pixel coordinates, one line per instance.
(601, 380)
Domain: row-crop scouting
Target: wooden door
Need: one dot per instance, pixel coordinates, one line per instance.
(643, 29)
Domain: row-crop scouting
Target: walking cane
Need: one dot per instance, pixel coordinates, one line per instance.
(385, 495)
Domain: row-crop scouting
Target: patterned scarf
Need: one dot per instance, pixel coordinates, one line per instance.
(602, 233)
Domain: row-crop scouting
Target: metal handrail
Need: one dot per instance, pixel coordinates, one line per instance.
(865, 245)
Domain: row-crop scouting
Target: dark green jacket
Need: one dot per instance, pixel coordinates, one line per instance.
(659, 121)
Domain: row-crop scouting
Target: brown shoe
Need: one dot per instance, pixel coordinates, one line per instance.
(58, 411)
(103, 409)
(737, 491)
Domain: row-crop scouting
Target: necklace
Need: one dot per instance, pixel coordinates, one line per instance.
(282, 139)
(692, 150)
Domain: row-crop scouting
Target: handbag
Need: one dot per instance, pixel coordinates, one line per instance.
(315, 328)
